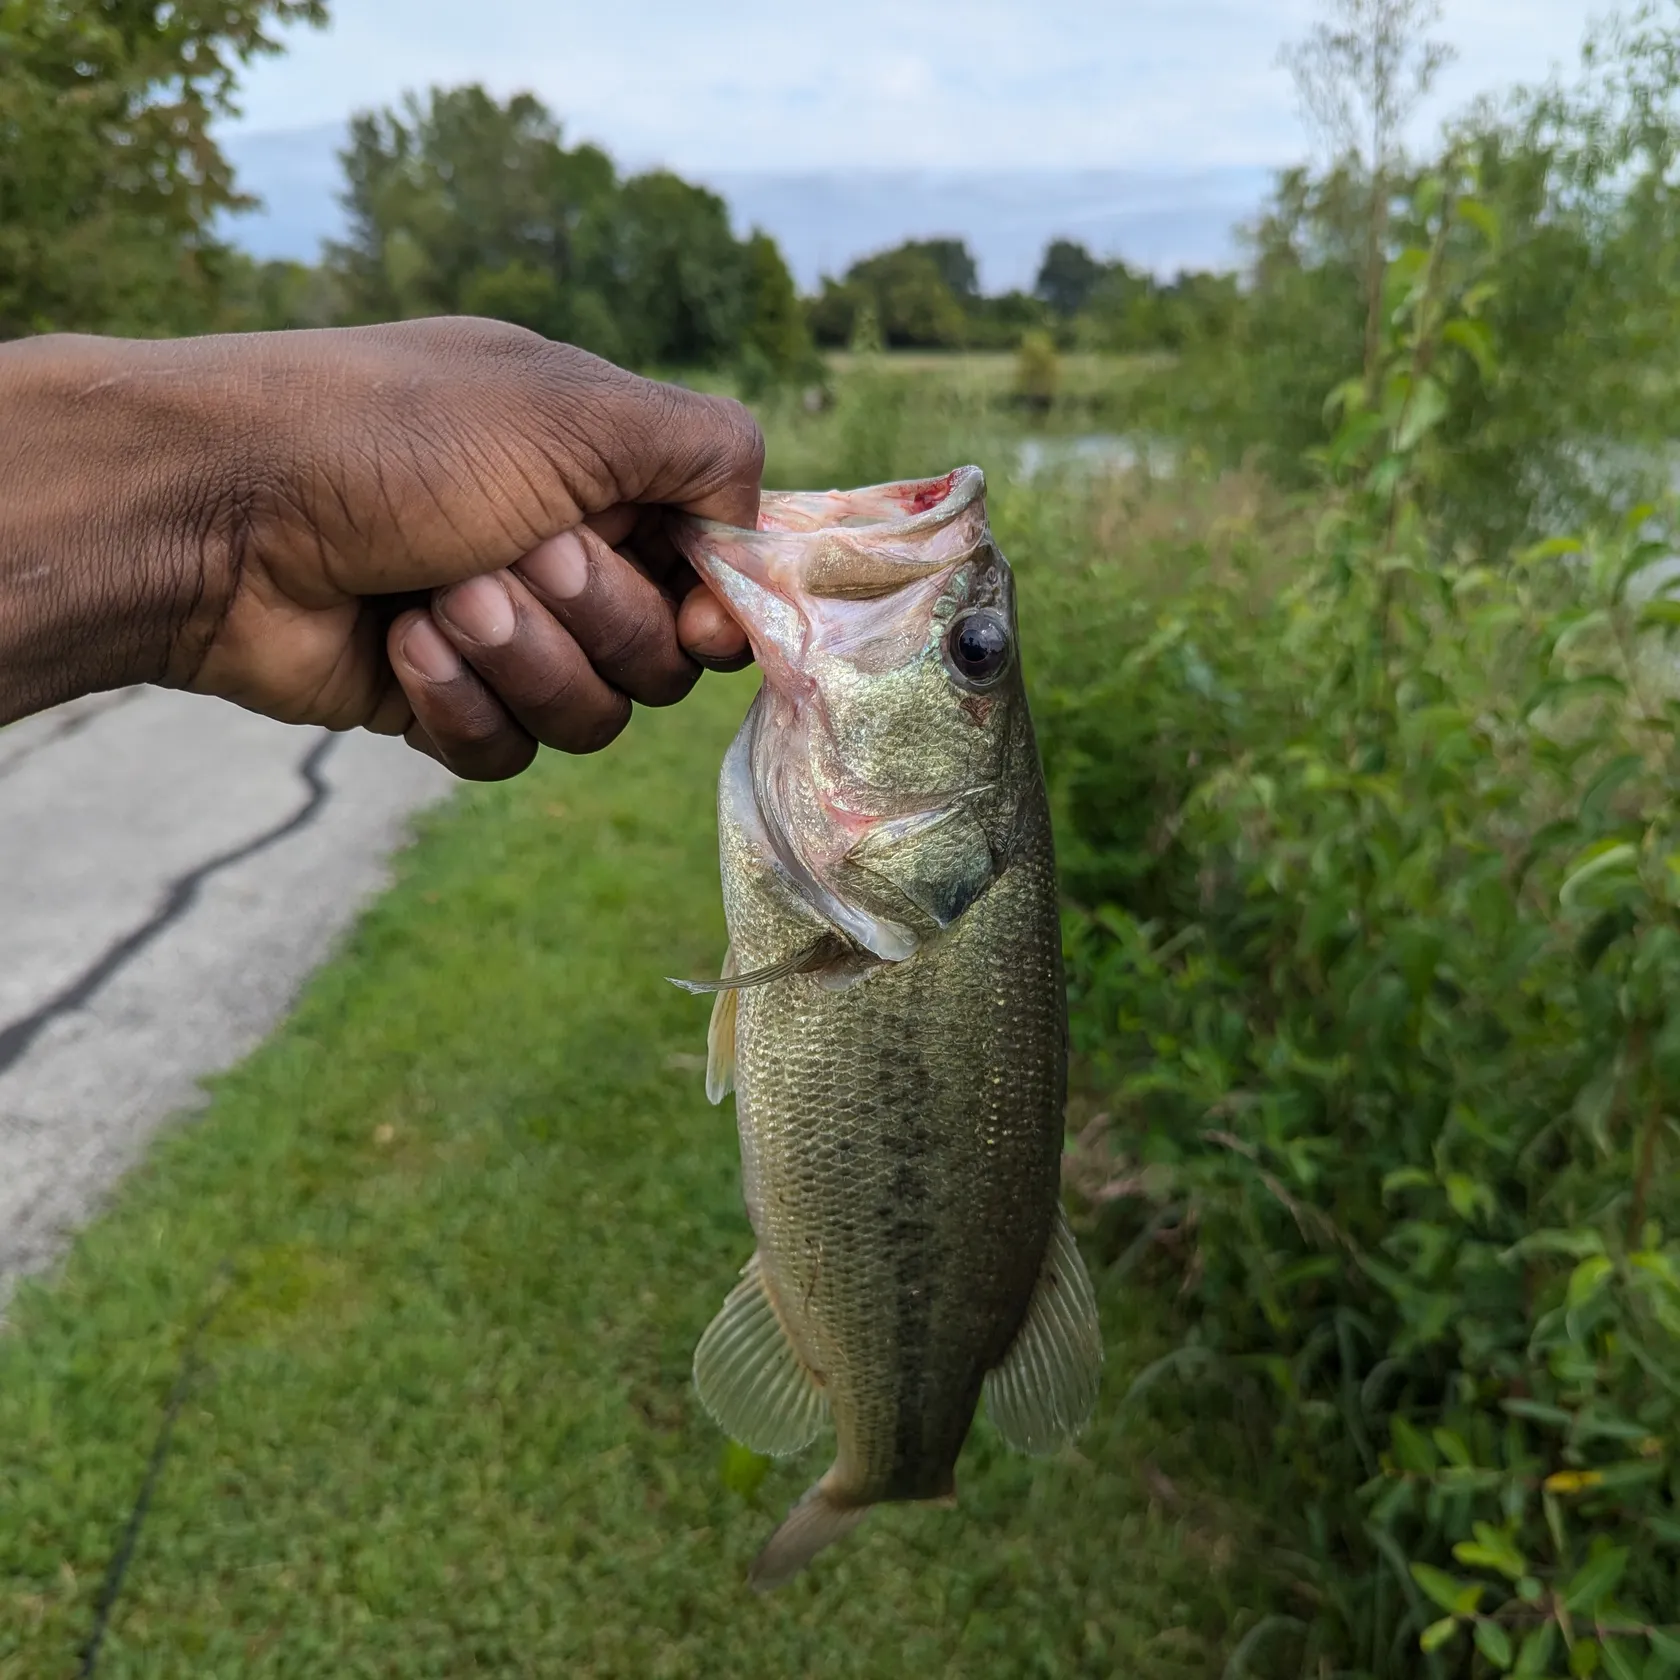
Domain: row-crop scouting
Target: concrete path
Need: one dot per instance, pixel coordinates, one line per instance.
(171, 870)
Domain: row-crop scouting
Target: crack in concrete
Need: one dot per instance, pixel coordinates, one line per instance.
(16, 1038)
(79, 717)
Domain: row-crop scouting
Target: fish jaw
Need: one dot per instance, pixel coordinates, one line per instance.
(838, 591)
(815, 552)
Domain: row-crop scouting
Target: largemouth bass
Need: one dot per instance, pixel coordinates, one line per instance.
(891, 1014)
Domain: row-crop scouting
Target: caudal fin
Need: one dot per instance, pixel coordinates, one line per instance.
(815, 1522)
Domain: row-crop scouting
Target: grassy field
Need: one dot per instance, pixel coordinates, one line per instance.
(453, 1234)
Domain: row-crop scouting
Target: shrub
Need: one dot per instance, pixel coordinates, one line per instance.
(1375, 963)
(1038, 370)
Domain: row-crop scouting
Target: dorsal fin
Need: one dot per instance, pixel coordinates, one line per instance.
(1040, 1396)
(755, 1386)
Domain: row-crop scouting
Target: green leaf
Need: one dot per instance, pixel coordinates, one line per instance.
(1473, 338)
(1426, 409)
(1588, 1278)
(1660, 615)
(1633, 1472)
(1618, 1660)
(1446, 1590)
(1611, 861)
(1563, 691)
(1538, 1412)
(1412, 1448)
(1596, 1579)
(1453, 1447)
(1481, 216)
(1618, 771)
(1405, 1178)
(1578, 1245)
(1491, 1549)
(1535, 1654)
(1438, 1633)
(1348, 397)
(1553, 548)
(743, 1470)
(1494, 1643)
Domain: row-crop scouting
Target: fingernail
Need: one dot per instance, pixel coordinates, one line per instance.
(558, 567)
(427, 649)
(481, 610)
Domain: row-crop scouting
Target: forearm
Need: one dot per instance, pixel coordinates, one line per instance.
(107, 536)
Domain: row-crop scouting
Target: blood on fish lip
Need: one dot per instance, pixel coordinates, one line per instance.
(930, 494)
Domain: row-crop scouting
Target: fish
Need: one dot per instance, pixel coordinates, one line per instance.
(890, 1014)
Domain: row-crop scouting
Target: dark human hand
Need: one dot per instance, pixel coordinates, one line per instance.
(448, 529)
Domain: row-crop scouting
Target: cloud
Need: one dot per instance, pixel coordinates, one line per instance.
(765, 84)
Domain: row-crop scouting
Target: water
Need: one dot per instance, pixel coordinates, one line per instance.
(1095, 453)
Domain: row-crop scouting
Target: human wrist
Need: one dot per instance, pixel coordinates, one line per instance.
(113, 545)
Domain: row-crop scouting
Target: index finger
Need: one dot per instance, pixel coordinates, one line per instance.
(685, 449)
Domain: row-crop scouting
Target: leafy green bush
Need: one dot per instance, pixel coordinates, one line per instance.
(1375, 960)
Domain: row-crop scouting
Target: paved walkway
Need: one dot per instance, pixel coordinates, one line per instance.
(171, 869)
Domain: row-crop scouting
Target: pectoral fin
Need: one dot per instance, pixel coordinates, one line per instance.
(829, 948)
(940, 860)
(720, 1038)
(751, 1381)
(1042, 1393)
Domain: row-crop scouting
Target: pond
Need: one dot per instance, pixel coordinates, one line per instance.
(1094, 452)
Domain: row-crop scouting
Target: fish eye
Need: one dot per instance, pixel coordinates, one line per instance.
(977, 647)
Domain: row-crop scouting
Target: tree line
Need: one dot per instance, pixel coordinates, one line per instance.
(460, 203)
(114, 195)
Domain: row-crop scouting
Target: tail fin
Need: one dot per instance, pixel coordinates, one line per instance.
(815, 1522)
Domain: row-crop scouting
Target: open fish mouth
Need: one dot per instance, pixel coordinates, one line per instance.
(816, 553)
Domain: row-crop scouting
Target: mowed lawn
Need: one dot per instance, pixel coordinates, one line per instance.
(457, 1229)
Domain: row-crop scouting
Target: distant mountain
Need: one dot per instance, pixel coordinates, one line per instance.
(1165, 221)
(823, 221)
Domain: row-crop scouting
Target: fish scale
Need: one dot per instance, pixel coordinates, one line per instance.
(892, 1016)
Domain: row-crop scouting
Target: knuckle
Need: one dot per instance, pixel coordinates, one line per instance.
(637, 633)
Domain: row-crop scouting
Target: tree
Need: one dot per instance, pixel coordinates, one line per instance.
(832, 314)
(1117, 312)
(459, 202)
(458, 196)
(911, 291)
(677, 275)
(952, 260)
(1067, 276)
(110, 180)
(1360, 75)
(275, 296)
(776, 343)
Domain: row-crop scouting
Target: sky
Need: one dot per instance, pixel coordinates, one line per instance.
(790, 85)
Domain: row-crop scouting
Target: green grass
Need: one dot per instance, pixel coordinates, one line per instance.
(464, 1218)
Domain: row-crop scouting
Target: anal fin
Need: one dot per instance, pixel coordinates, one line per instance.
(720, 1037)
(1041, 1394)
(751, 1381)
